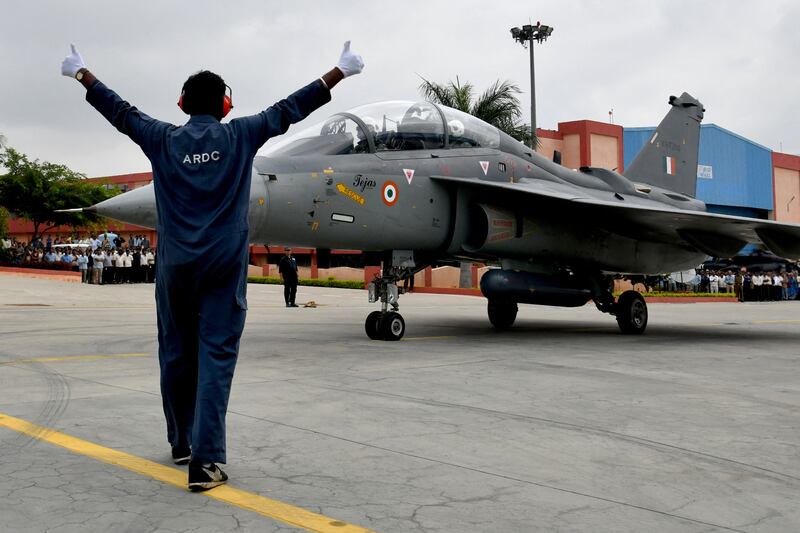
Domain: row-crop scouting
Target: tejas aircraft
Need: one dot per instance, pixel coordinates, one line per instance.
(415, 182)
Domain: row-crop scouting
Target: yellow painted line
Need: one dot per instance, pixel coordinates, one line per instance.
(776, 322)
(428, 338)
(275, 509)
(73, 358)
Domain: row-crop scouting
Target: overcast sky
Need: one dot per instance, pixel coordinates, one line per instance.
(739, 57)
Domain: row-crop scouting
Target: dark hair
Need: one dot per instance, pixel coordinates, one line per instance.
(203, 93)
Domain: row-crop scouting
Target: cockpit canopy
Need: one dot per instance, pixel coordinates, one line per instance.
(390, 126)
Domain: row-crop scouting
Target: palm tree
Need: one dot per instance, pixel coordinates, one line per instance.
(498, 105)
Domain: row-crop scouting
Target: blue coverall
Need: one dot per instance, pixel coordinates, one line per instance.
(201, 175)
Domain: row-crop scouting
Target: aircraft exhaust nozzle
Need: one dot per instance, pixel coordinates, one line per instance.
(529, 288)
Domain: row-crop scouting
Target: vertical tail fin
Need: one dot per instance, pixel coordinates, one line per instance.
(669, 159)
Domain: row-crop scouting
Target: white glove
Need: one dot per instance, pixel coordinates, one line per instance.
(72, 63)
(350, 63)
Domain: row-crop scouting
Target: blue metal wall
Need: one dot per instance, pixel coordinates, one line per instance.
(741, 169)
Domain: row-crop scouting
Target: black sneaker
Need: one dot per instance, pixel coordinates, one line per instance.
(181, 455)
(205, 477)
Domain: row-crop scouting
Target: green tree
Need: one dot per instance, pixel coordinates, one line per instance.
(498, 105)
(36, 190)
(3, 222)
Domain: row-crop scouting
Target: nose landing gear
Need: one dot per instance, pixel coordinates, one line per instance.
(385, 324)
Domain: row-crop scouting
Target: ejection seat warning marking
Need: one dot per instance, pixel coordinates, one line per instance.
(328, 170)
(409, 172)
(485, 167)
(277, 510)
(350, 193)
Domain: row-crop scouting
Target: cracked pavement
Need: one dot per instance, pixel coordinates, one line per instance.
(561, 424)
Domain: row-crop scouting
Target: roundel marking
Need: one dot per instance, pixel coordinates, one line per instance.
(389, 193)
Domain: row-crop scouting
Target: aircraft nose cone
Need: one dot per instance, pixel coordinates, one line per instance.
(133, 207)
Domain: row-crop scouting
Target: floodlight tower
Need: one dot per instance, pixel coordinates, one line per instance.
(525, 36)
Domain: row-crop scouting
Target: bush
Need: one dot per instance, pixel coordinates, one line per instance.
(338, 284)
(686, 294)
(40, 266)
(691, 294)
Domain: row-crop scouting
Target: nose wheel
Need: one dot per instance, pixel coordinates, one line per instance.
(385, 325)
(388, 326)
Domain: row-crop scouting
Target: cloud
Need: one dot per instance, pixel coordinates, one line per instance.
(738, 57)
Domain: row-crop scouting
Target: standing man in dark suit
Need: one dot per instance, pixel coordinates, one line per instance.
(287, 268)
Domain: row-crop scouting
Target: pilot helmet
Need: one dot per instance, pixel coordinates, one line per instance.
(455, 127)
(372, 127)
(370, 123)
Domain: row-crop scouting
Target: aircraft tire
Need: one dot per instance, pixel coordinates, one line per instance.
(373, 326)
(502, 314)
(392, 326)
(631, 311)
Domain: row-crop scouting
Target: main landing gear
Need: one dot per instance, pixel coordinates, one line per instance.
(502, 313)
(630, 310)
(385, 324)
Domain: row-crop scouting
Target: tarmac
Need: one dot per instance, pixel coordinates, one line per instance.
(561, 424)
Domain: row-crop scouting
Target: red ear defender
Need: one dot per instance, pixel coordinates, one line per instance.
(227, 102)
(180, 101)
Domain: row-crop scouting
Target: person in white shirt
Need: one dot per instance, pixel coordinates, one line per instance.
(98, 265)
(119, 263)
(769, 295)
(127, 264)
(758, 286)
(83, 266)
(108, 266)
(778, 287)
(729, 281)
(713, 283)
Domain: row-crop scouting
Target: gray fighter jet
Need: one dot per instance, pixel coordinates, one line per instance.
(412, 183)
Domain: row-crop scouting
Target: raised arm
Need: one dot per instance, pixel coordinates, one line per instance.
(122, 115)
(276, 119)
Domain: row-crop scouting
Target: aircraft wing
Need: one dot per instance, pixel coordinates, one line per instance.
(713, 234)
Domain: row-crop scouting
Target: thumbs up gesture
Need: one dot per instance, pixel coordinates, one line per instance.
(349, 63)
(72, 63)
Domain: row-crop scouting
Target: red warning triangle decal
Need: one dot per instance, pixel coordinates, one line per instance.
(485, 167)
(409, 172)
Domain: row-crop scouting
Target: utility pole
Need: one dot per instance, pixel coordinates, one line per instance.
(525, 36)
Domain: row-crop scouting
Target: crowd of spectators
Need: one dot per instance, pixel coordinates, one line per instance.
(107, 258)
(747, 286)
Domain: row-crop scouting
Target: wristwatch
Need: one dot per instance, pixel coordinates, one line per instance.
(79, 74)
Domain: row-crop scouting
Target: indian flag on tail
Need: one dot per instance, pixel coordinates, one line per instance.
(669, 165)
